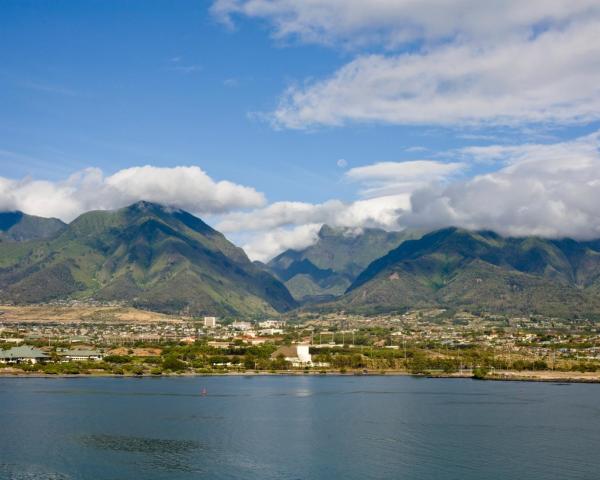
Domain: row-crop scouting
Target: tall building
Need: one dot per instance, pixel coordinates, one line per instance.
(210, 322)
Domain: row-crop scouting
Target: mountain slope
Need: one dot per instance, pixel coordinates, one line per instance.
(19, 227)
(327, 268)
(482, 271)
(148, 255)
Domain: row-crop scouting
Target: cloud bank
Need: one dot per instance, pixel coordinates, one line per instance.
(460, 63)
(553, 78)
(358, 23)
(550, 190)
(547, 190)
(189, 188)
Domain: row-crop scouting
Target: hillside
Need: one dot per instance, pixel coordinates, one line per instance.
(145, 255)
(482, 271)
(326, 269)
(19, 227)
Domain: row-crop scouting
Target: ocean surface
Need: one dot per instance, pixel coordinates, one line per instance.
(297, 428)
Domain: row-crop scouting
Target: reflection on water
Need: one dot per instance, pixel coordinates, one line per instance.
(28, 472)
(138, 444)
(309, 428)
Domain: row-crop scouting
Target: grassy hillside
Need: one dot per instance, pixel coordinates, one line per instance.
(19, 227)
(482, 271)
(147, 255)
(327, 268)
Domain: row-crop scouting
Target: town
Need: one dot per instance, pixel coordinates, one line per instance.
(431, 342)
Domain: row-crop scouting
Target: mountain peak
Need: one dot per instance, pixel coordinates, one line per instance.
(149, 255)
(146, 206)
(329, 231)
(18, 226)
(9, 219)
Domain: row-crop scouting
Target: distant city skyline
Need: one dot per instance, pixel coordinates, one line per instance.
(269, 118)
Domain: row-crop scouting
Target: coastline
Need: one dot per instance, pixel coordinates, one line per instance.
(504, 376)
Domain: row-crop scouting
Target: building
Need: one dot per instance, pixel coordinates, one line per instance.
(210, 322)
(81, 355)
(242, 326)
(298, 355)
(14, 340)
(22, 354)
(271, 324)
(270, 331)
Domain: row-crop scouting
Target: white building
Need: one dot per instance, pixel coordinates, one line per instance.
(81, 355)
(271, 324)
(242, 326)
(210, 322)
(270, 331)
(298, 355)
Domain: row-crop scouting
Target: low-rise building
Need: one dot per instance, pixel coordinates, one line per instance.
(271, 324)
(23, 354)
(298, 355)
(270, 331)
(81, 355)
(242, 326)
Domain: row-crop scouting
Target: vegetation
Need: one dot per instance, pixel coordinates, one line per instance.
(147, 255)
(327, 268)
(476, 271)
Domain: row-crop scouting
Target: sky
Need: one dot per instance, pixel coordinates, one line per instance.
(269, 118)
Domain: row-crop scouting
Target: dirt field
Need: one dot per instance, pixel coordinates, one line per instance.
(48, 313)
(547, 376)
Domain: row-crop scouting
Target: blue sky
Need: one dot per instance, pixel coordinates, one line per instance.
(269, 96)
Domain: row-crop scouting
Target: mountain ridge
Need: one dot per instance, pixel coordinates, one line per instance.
(149, 255)
(19, 227)
(481, 270)
(329, 266)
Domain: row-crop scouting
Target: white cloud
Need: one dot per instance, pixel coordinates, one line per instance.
(546, 190)
(386, 178)
(394, 22)
(381, 212)
(268, 231)
(342, 163)
(552, 78)
(386, 188)
(462, 62)
(189, 188)
(265, 246)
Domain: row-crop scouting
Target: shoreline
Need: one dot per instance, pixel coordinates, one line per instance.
(508, 376)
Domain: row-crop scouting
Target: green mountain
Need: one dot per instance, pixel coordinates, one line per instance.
(482, 271)
(326, 269)
(147, 255)
(19, 227)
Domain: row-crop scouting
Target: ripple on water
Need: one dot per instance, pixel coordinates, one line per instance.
(151, 453)
(123, 443)
(9, 471)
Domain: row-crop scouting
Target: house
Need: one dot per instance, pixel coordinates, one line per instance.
(81, 355)
(22, 354)
(298, 355)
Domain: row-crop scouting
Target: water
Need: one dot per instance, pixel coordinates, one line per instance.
(297, 428)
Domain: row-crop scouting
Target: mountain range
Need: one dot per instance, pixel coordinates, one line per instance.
(148, 255)
(482, 271)
(165, 259)
(327, 268)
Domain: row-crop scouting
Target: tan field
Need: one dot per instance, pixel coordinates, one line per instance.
(547, 376)
(71, 314)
